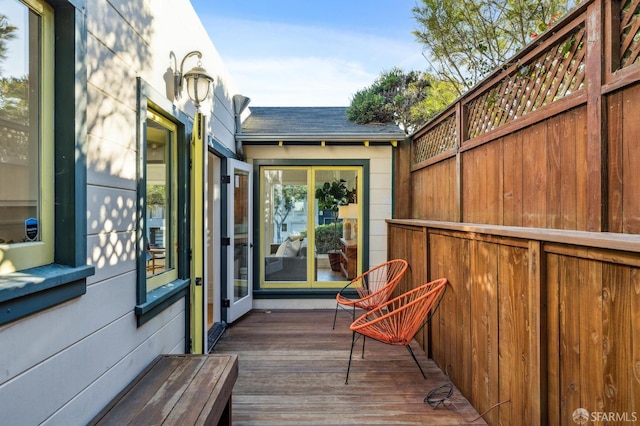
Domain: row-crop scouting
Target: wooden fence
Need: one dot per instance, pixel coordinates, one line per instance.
(526, 194)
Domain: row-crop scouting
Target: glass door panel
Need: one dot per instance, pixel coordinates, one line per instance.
(239, 290)
(285, 226)
(335, 219)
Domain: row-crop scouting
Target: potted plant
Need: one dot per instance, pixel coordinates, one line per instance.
(330, 196)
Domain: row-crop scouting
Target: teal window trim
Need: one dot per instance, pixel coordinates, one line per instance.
(161, 298)
(150, 304)
(219, 149)
(29, 291)
(259, 293)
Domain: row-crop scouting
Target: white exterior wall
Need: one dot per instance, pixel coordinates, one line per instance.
(62, 365)
(380, 195)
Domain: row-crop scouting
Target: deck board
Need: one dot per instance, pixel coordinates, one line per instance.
(292, 368)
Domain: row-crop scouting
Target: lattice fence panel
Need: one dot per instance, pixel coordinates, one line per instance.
(629, 33)
(557, 72)
(436, 141)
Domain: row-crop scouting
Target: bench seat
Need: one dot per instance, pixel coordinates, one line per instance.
(176, 390)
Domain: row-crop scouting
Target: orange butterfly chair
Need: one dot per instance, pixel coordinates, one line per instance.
(397, 321)
(373, 287)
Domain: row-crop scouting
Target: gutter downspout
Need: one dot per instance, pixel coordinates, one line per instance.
(240, 103)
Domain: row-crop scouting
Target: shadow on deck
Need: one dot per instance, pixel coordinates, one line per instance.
(292, 372)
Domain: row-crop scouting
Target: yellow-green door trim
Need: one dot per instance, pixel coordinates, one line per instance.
(199, 151)
(363, 194)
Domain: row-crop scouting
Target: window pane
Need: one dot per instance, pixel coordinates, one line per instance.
(336, 220)
(20, 51)
(285, 225)
(240, 232)
(159, 223)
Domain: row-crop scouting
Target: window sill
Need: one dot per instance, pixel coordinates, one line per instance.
(161, 298)
(26, 292)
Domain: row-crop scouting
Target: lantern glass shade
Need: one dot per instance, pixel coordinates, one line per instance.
(198, 84)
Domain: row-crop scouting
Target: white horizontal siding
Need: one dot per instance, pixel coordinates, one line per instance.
(110, 210)
(57, 383)
(62, 365)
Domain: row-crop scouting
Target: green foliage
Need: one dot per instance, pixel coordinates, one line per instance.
(7, 32)
(285, 198)
(368, 107)
(14, 91)
(333, 194)
(330, 196)
(328, 237)
(441, 95)
(406, 98)
(467, 39)
(14, 99)
(156, 195)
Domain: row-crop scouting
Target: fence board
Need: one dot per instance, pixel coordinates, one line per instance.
(534, 159)
(553, 339)
(569, 342)
(616, 330)
(554, 172)
(513, 342)
(484, 336)
(463, 331)
(469, 195)
(454, 351)
(513, 175)
(634, 342)
(494, 200)
(591, 354)
(631, 159)
(581, 158)
(614, 162)
(568, 177)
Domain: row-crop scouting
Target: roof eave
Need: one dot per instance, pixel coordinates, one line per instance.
(333, 137)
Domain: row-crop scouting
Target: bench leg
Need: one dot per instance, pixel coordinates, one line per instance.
(225, 418)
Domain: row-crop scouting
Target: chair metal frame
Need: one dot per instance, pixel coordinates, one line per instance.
(397, 321)
(374, 287)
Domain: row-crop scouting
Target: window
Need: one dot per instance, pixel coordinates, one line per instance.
(43, 69)
(26, 137)
(163, 175)
(162, 206)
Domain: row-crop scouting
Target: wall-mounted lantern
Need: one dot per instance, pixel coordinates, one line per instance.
(198, 81)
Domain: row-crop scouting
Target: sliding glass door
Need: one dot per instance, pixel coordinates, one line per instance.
(309, 226)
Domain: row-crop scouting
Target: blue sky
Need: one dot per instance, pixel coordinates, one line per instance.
(310, 52)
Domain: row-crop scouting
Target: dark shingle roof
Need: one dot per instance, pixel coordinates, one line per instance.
(326, 123)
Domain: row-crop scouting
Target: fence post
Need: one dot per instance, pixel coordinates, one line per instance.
(597, 206)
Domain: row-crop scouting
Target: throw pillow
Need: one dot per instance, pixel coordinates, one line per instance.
(288, 248)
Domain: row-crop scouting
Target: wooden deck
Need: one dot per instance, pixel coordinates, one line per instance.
(292, 368)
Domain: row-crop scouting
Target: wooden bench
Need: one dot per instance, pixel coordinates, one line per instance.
(176, 390)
